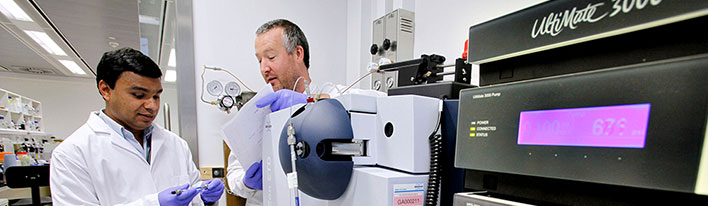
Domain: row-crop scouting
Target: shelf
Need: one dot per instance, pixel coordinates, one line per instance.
(19, 132)
(19, 111)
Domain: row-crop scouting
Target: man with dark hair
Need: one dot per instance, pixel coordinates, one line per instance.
(119, 157)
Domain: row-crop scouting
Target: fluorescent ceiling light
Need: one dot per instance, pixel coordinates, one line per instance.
(13, 11)
(47, 43)
(171, 76)
(172, 62)
(72, 66)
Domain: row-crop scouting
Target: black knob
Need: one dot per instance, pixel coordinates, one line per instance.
(374, 49)
(386, 44)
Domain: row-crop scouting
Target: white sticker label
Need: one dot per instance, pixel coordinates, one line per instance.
(292, 180)
(408, 194)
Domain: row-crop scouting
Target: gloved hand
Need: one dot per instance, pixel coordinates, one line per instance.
(213, 191)
(166, 198)
(254, 176)
(282, 99)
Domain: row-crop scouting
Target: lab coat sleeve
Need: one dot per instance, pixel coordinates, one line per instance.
(234, 175)
(71, 183)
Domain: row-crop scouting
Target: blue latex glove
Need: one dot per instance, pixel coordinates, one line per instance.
(166, 198)
(213, 191)
(282, 99)
(254, 176)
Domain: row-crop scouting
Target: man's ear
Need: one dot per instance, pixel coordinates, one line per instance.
(105, 90)
(300, 53)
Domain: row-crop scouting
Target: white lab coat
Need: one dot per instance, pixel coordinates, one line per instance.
(97, 166)
(236, 171)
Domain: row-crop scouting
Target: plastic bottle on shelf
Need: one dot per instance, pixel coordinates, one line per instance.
(36, 126)
(21, 125)
(11, 125)
(3, 123)
(14, 104)
(18, 105)
(29, 126)
(10, 106)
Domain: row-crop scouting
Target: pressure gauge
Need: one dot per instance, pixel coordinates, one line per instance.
(232, 89)
(214, 88)
(226, 102)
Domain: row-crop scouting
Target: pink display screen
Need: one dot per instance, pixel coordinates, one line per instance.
(622, 126)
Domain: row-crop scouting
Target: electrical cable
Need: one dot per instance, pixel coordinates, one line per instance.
(291, 97)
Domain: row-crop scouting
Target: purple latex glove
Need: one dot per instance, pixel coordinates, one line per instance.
(213, 191)
(166, 198)
(254, 176)
(282, 99)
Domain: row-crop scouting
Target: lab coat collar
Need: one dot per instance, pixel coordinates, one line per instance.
(102, 129)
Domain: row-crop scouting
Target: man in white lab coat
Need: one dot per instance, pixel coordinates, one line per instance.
(119, 157)
(283, 53)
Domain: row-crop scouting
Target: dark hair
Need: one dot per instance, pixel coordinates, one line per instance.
(114, 63)
(292, 36)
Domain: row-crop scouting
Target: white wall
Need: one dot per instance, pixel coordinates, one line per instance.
(443, 26)
(67, 102)
(224, 35)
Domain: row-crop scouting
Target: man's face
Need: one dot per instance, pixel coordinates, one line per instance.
(134, 101)
(278, 67)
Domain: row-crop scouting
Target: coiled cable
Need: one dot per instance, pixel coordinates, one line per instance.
(431, 198)
(434, 178)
